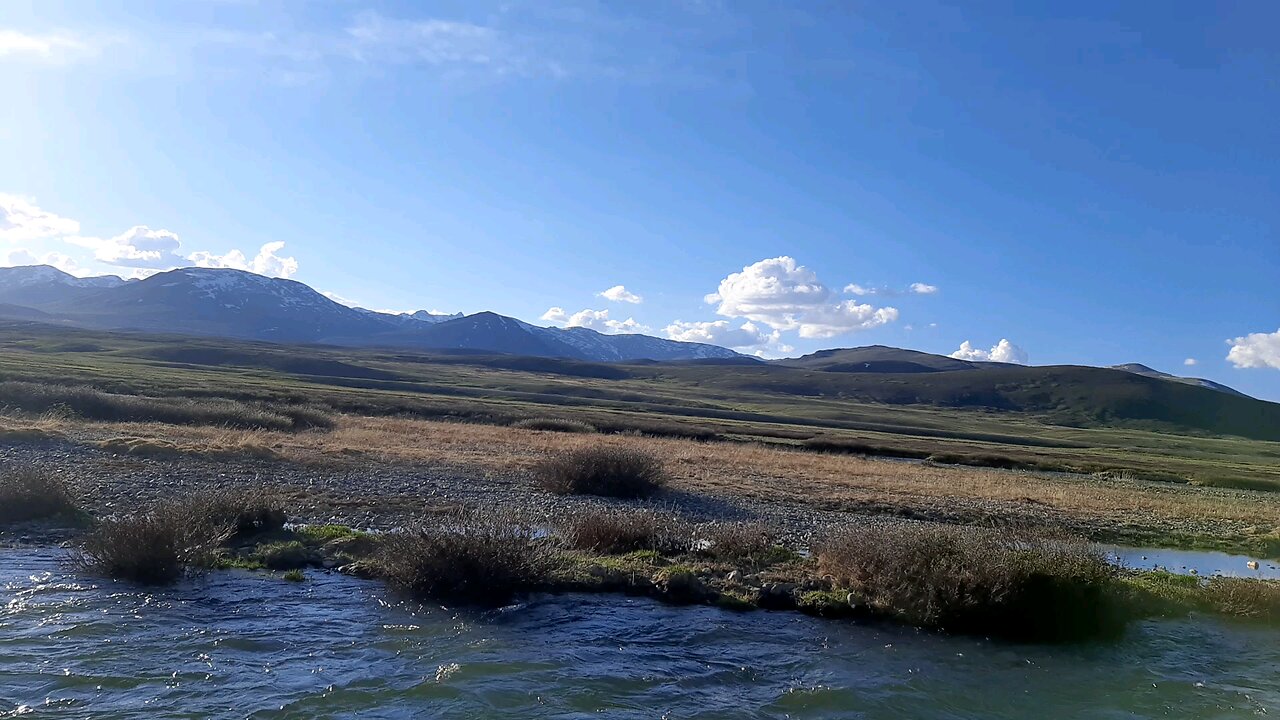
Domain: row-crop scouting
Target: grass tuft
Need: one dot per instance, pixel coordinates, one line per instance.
(602, 470)
(615, 531)
(977, 580)
(154, 547)
(480, 559)
(29, 493)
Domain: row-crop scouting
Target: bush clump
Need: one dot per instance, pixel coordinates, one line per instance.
(554, 425)
(615, 531)
(480, 559)
(245, 511)
(977, 580)
(28, 493)
(153, 547)
(737, 541)
(602, 470)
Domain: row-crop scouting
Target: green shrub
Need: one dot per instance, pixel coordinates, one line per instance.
(481, 559)
(28, 493)
(602, 470)
(977, 580)
(285, 555)
(614, 531)
(295, 576)
(554, 425)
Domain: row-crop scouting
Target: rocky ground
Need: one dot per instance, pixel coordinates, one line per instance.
(368, 495)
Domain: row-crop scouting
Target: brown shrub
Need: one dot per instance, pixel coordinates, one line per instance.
(734, 540)
(602, 470)
(154, 547)
(614, 531)
(28, 493)
(481, 559)
(1244, 597)
(977, 580)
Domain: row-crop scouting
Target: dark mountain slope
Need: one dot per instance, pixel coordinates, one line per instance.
(877, 359)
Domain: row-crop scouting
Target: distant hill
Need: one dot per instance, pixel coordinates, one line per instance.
(1140, 369)
(877, 359)
(223, 302)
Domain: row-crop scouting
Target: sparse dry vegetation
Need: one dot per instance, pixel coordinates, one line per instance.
(607, 470)
(69, 402)
(152, 547)
(614, 531)
(977, 579)
(482, 559)
(31, 493)
(554, 425)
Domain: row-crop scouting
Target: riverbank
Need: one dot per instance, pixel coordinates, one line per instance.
(378, 473)
(1020, 584)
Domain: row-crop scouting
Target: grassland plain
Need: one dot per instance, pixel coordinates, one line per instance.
(372, 414)
(708, 402)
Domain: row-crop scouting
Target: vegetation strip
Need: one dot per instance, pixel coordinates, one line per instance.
(956, 579)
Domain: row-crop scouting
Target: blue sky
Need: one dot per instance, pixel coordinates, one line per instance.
(1094, 183)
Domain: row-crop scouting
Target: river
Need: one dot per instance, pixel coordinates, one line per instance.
(238, 644)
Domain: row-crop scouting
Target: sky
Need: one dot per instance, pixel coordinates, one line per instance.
(1053, 183)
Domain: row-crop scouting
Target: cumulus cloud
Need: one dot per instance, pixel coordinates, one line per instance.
(1190, 361)
(618, 293)
(784, 295)
(597, 320)
(1255, 350)
(916, 288)
(137, 247)
(721, 332)
(1003, 352)
(141, 250)
(22, 221)
(266, 262)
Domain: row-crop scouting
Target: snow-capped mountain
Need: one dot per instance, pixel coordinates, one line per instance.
(41, 283)
(234, 303)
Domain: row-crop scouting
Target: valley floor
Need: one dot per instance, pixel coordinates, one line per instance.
(378, 473)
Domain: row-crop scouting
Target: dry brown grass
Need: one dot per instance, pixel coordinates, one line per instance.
(614, 531)
(964, 578)
(731, 469)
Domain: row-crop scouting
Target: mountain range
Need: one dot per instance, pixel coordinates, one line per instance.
(221, 302)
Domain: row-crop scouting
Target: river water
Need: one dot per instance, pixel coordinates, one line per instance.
(238, 644)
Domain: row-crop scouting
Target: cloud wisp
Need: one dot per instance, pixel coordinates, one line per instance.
(619, 293)
(916, 288)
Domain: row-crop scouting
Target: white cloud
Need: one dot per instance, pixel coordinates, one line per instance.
(142, 250)
(721, 332)
(45, 46)
(1003, 351)
(137, 247)
(784, 295)
(1255, 350)
(22, 221)
(1190, 361)
(597, 320)
(618, 293)
(917, 288)
(266, 262)
(845, 317)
